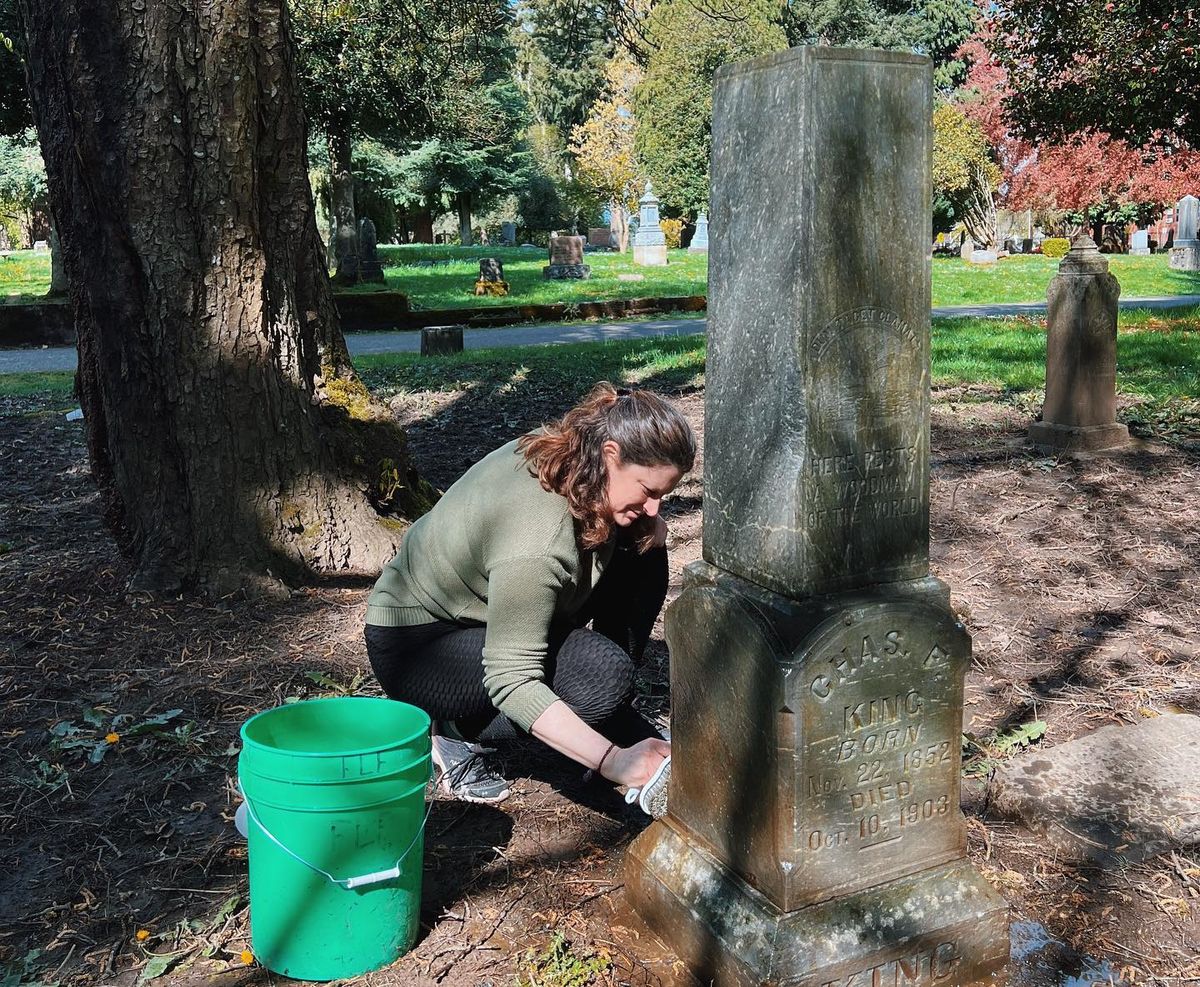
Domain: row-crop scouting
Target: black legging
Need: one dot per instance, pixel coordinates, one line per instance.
(439, 666)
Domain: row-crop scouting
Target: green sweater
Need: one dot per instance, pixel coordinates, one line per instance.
(498, 550)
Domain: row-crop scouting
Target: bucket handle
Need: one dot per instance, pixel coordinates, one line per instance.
(349, 883)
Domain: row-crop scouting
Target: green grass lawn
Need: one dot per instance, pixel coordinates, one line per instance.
(449, 281)
(24, 276)
(1025, 279)
(1158, 358)
(1158, 364)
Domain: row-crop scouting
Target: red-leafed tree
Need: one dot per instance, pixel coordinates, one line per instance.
(1094, 176)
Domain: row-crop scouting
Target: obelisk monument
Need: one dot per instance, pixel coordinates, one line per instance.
(814, 835)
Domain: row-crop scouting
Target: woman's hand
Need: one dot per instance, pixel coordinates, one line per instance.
(634, 766)
(660, 532)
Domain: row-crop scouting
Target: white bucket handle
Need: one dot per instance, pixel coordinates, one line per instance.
(349, 883)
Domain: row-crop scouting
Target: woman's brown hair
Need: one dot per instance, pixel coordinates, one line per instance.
(567, 456)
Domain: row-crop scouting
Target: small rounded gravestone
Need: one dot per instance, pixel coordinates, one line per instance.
(441, 340)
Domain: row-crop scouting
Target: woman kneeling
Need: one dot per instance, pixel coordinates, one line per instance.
(480, 618)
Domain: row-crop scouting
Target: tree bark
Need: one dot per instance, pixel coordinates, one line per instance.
(464, 219)
(233, 444)
(620, 224)
(58, 273)
(341, 203)
(979, 211)
(423, 226)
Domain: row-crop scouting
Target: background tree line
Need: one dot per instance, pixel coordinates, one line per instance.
(233, 444)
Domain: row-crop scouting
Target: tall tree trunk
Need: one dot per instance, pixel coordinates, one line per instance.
(227, 431)
(979, 211)
(58, 273)
(423, 226)
(341, 207)
(464, 219)
(619, 223)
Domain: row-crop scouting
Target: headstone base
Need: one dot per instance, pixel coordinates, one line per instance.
(1139, 252)
(497, 288)
(566, 272)
(1081, 438)
(698, 250)
(650, 255)
(372, 272)
(1185, 258)
(944, 926)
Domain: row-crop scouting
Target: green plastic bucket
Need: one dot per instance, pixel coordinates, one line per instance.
(335, 799)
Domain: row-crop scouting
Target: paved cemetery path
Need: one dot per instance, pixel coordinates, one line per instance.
(63, 357)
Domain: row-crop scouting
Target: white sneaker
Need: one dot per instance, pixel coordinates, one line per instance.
(652, 796)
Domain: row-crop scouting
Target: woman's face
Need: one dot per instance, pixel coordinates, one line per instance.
(634, 491)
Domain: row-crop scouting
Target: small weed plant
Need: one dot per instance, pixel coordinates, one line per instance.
(562, 964)
(982, 756)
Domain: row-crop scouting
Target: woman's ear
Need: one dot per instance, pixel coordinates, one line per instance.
(611, 453)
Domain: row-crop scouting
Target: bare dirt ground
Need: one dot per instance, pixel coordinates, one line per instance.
(1077, 579)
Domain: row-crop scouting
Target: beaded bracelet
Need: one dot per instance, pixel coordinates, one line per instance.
(603, 758)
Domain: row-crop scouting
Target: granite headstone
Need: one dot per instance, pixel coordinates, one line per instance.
(1139, 243)
(369, 267)
(491, 277)
(699, 244)
(1185, 251)
(566, 259)
(812, 654)
(650, 244)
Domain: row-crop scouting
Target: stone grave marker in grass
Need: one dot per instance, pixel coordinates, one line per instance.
(1080, 410)
(1185, 250)
(813, 835)
(566, 259)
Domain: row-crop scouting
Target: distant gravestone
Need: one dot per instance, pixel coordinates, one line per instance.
(491, 278)
(1185, 252)
(508, 234)
(599, 237)
(1027, 245)
(967, 249)
(41, 246)
(1080, 410)
(441, 340)
(566, 259)
(1139, 243)
(1010, 246)
(369, 268)
(650, 244)
(983, 257)
(814, 659)
(1114, 797)
(699, 244)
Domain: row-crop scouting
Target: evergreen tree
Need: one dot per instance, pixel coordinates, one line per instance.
(930, 27)
(476, 153)
(562, 47)
(673, 105)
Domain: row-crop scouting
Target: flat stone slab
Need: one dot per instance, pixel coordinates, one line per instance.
(1120, 794)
